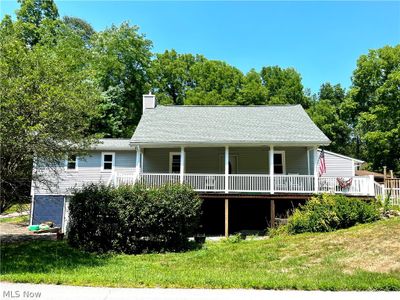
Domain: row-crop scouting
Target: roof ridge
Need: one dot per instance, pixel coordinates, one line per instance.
(266, 105)
(114, 139)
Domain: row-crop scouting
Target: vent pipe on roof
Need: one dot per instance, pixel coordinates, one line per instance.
(149, 101)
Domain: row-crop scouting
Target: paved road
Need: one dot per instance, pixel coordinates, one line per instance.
(32, 291)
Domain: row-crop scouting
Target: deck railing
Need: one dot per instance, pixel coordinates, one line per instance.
(205, 182)
(157, 179)
(294, 183)
(359, 185)
(246, 183)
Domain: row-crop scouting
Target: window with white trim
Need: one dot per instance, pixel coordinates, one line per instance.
(279, 162)
(174, 162)
(107, 161)
(72, 162)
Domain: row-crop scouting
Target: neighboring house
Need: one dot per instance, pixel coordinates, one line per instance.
(241, 153)
(340, 165)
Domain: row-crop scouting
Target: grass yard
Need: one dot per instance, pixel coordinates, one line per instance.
(365, 257)
(16, 220)
(16, 208)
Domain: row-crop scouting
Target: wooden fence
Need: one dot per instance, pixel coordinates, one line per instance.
(392, 190)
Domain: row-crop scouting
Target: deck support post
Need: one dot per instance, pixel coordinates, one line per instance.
(271, 168)
(272, 212)
(182, 164)
(316, 161)
(226, 217)
(226, 169)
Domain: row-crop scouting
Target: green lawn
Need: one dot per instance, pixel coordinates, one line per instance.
(16, 220)
(365, 257)
(18, 208)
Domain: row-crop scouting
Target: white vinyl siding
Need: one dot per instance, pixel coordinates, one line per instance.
(338, 166)
(89, 172)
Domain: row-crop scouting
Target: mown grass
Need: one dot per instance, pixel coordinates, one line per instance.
(365, 257)
(20, 207)
(16, 220)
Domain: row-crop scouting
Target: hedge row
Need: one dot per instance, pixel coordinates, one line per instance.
(133, 219)
(331, 212)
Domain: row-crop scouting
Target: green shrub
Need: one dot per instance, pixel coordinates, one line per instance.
(331, 212)
(133, 219)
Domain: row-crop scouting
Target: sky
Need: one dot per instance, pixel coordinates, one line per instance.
(321, 40)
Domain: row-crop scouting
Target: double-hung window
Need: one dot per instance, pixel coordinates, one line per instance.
(174, 162)
(72, 162)
(107, 161)
(279, 162)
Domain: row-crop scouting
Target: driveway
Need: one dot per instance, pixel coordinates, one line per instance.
(10, 233)
(32, 291)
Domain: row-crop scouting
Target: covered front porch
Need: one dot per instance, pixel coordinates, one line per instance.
(232, 169)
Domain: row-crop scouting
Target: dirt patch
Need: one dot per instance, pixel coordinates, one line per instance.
(372, 251)
(11, 233)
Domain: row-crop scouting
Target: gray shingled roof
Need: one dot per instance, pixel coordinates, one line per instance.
(283, 124)
(112, 144)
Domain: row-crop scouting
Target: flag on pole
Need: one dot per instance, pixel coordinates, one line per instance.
(321, 163)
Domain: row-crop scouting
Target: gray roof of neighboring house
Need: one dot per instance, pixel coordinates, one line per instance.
(279, 124)
(109, 144)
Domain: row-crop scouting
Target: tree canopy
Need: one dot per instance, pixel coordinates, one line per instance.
(46, 97)
(376, 99)
(62, 84)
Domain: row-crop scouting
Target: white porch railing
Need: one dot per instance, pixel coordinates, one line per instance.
(157, 179)
(360, 185)
(248, 183)
(205, 182)
(294, 183)
(119, 179)
(379, 190)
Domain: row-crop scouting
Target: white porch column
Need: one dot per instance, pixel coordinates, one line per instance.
(271, 168)
(182, 166)
(138, 160)
(226, 169)
(316, 159)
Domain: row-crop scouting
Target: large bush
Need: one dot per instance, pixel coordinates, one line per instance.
(331, 212)
(133, 219)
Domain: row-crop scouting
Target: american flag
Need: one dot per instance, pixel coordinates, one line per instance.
(321, 163)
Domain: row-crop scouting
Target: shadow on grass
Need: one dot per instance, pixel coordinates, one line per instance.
(45, 256)
(50, 256)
